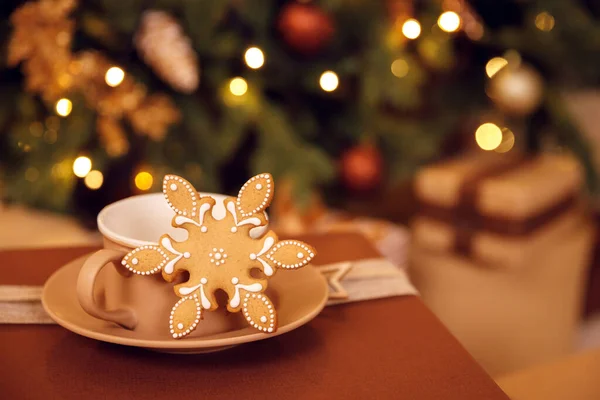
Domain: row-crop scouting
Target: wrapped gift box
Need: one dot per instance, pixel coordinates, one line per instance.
(500, 251)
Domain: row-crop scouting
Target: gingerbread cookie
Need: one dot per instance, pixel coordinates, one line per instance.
(220, 254)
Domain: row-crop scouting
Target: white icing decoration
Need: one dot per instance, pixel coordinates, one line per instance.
(180, 220)
(186, 291)
(250, 221)
(233, 229)
(135, 261)
(263, 319)
(300, 255)
(166, 243)
(187, 254)
(235, 301)
(203, 229)
(203, 281)
(234, 280)
(180, 325)
(267, 269)
(269, 241)
(173, 187)
(258, 186)
(253, 256)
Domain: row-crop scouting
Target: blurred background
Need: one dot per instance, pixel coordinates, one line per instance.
(471, 127)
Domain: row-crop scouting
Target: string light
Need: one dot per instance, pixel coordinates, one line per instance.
(94, 179)
(254, 57)
(144, 180)
(238, 86)
(400, 68)
(488, 136)
(82, 166)
(449, 21)
(329, 81)
(495, 65)
(508, 141)
(544, 21)
(114, 76)
(64, 107)
(411, 28)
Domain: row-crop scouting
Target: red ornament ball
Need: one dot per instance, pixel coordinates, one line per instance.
(361, 168)
(305, 27)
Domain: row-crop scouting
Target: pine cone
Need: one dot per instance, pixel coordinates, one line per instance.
(163, 45)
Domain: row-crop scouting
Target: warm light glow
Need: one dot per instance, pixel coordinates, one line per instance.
(238, 86)
(94, 179)
(449, 21)
(144, 180)
(82, 166)
(32, 174)
(494, 65)
(411, 28)
(544, 21)
(400, 68)
(488, 136)
(329, 81)
(254, 57)
(114, 76)
(508, 141)
(64, 107)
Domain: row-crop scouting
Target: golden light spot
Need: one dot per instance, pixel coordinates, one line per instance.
(488, 136)
(400, 68)
(94, 180)
(82, 166)
(238, 86)
(495, 65)
(64, 107)
(329, 81)
(32, 174)
(144, 180)
(114, 76)
(544, 21)
(508, 141)
(254, 57)
(449, 21)
(411, 28)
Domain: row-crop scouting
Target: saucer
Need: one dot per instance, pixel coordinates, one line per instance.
(302, 295)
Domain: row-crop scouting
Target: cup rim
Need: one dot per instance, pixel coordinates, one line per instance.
(128, 241)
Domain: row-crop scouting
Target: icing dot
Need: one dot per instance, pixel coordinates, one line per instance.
(258, 186)
(180, 326)
(203, 281)
(300, 255)
(253, 256)
(234, 280)
(234, 229)
(203, 229)
(134, 261)
(263, 319)
(214, 249)
(173, 187)
(218, 256)
(186, 254)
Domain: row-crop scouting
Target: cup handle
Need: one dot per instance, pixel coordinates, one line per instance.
(85, 288)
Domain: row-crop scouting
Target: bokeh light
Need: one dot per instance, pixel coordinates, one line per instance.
(82, 166)
(508, 141)
(114, 76)
(495, 65)
(144, 180)
(329, 81)
(449, 21)
(254, 57)
(400, 68)
(64, 107)
(411, 28)
(544, 21)
(238, 86)
(488, 136)
(94, 180)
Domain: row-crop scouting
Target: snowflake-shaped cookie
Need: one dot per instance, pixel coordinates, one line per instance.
(220, 254)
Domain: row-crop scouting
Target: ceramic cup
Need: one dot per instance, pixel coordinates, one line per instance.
(108, 291)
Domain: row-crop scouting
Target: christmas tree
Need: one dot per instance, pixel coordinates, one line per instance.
(101, 98)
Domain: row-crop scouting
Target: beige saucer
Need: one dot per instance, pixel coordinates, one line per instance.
(302, 294)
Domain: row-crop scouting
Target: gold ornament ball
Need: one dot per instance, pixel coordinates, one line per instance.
(517, 90)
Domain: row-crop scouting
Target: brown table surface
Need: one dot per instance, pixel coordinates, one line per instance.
(388, 348)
